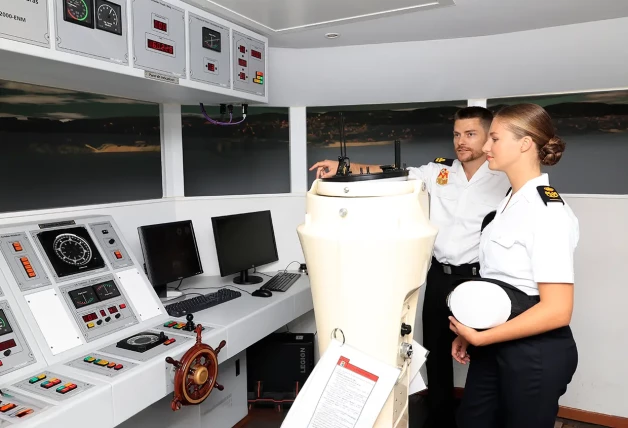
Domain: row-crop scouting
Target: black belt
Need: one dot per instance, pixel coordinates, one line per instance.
(470, 269)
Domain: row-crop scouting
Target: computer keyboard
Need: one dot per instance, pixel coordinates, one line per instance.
(281, 282)
(199, 303)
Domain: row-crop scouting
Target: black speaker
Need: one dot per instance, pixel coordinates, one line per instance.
(278, 366)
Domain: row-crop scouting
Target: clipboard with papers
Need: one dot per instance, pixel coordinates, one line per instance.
(346, 389)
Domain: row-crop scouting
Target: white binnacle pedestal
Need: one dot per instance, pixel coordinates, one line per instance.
(368, 246)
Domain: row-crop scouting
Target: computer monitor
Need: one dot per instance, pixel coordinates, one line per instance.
(170, 254)
(244, 241)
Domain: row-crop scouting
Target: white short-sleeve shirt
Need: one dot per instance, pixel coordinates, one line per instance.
(458, 206)
(530, 241)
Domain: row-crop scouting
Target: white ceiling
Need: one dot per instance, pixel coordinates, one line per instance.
(303, 23)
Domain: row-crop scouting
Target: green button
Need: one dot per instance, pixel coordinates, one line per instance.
(96, 362)
(60, 388)
(33, 380)
(87, 359)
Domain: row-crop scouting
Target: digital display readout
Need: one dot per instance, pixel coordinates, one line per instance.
(90, 317)
(256, 54)
(160, 47)
(7, 344)
(161, 26)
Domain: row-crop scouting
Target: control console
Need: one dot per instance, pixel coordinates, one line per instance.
(15, 352)
(99, 306)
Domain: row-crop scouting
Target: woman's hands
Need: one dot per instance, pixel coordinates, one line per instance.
(471, 336)
(459, 350)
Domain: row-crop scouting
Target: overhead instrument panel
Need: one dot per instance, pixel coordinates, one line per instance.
(70, 252)
(23, 261)
(93, 28)
(249, 64)
(99, 306)
(25, 21)
(15, 352)
(209, 52)
(111, 245)
(159, 37)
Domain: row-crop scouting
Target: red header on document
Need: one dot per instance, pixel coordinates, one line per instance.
(344, 362)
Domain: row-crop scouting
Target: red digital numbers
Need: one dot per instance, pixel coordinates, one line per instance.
(242, 62)
(211, 67)
(256, 54)
(161, 26)
(161, 47)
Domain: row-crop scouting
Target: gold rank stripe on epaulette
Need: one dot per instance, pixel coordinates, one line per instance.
(444, 161)
(549, 194)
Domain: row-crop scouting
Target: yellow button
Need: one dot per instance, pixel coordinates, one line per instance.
(41, 376)
(68, 384)
(90, 325)
(102, 362)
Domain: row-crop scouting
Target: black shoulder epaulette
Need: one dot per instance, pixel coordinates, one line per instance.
(549, 194)
(444, 161)
(487, 220)
(508, 192)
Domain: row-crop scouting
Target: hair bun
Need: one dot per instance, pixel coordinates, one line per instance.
(551, 152)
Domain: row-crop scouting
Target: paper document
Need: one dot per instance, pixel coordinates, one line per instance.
(346, 389)
(419, 356)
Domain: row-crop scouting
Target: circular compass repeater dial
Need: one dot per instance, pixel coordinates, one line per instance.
(77, 9)
(72, 249)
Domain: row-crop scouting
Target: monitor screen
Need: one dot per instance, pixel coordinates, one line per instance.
(170, 252)
(244, 241)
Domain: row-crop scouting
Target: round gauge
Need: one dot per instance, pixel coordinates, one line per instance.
(72, 249)
(77, 9)
(142, 339)
(107, 15)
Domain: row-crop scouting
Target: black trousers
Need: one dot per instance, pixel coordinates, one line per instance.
(517, 384)
(437, 339)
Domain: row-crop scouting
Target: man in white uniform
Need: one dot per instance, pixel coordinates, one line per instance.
(462, 192)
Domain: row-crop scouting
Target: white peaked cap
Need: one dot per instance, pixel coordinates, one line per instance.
(480, 304)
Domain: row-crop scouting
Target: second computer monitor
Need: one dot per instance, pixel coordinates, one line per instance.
(244, 241)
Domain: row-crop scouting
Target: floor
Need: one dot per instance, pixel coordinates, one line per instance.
(270, 418)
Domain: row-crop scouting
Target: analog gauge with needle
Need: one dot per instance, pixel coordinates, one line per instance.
(79, 12)
(109, 17)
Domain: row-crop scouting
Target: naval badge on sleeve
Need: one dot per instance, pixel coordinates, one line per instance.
(549, 194)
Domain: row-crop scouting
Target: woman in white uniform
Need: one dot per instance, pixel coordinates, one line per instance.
(519, 369)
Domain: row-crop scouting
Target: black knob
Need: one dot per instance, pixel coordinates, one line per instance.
(189, 317)
(7, 352)
(405, 329)
(99, 322)
(112, 241)
(118, 316)
(162, 336)
(107, 319)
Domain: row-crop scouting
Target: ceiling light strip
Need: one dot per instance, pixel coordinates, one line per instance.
(367, 15)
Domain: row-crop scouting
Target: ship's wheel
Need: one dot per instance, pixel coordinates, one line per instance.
(196, 373)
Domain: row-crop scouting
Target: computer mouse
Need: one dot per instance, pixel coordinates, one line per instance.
(262, 293)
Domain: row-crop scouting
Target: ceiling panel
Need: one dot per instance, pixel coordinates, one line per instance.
(285, 15)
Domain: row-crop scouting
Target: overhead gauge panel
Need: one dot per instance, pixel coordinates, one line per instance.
(25, 21)
(93, 28)
(209, 52)
(159, 37)
(249, 64)
(70, 252)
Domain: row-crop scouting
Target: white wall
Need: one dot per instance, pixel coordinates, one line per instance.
(579, 57)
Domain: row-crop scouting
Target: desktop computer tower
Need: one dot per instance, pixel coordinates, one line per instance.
(278, 366)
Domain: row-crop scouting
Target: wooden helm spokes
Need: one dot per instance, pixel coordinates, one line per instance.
(196, 373)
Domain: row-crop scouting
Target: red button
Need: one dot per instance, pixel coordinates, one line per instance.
(117, 254)
(122, 306)
(118, 367)
(0, 363)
